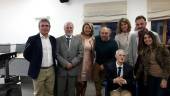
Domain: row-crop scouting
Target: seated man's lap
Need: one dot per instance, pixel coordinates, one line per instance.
(120, 93)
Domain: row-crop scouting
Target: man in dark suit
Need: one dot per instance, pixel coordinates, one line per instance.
(119, 76)
(69, 54)
(40, 51)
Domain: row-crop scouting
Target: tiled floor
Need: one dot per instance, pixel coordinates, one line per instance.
(27, 88)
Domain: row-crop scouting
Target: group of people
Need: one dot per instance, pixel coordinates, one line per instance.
(63, 66)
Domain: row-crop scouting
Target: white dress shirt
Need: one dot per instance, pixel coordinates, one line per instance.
(47, 59)
(69, 39)
(117, 66)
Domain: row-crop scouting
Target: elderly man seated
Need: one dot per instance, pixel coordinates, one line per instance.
(119, 76)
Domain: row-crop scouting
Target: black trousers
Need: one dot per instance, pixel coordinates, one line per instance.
(10, 90)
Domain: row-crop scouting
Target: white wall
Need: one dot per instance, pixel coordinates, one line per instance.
(135, 8)
(18, 17)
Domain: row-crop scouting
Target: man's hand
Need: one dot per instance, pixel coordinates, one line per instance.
(101, 67)
(69, 66)
(119, 80)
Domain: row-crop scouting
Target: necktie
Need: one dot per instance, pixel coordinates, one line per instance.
(68, 41)
(119, 71)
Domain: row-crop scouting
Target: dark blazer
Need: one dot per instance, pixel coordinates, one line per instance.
(112, 73)
(33, 53)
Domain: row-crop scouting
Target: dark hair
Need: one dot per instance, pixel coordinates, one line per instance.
(142, 46)
(44, 20)
(125, 20)
(91, 27)
(140, 17)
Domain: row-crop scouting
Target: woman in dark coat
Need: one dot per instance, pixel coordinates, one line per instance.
(154, 65)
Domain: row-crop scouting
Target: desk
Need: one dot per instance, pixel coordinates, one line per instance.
(18, 55)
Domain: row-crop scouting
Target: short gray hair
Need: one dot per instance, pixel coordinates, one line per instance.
(120, 50)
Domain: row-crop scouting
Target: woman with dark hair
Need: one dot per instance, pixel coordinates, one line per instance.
(154, 64)
(88, 58)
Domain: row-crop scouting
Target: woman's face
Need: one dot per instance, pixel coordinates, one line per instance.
(124, 27)
(147, 39)
(87, 30)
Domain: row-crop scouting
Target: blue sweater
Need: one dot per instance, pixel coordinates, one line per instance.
(105, 50)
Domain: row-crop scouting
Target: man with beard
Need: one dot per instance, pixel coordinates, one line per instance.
(105, 49)
(134, 47)
(69, 54)
(135, 39)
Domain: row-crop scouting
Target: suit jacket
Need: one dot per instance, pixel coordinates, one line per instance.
(133, 47)
(33, 53)
(112, 74)
(72, 55)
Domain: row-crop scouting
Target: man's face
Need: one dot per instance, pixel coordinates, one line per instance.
(68, 29)
(120, 57)
(44, 28)
(140, 24)
(105, 34)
